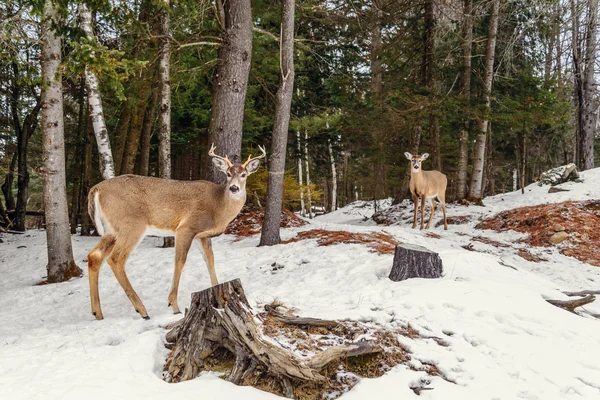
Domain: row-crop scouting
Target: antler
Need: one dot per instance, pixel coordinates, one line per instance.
(211, 153)
(250, 158)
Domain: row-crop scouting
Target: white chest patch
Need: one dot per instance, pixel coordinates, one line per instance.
(153, 231)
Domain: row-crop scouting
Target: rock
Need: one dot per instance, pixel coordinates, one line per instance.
(559, 228)
(554, 189)
(558, 175)
(559, 237)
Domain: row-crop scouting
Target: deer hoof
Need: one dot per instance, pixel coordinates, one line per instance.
(147, 317)
(178, 312)
(169, 304)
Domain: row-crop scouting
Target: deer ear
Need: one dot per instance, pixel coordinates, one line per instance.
(425, 156)
(408, 155)
(252, 166)
(220, 164)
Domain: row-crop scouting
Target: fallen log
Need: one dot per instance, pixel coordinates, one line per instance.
(286, 319)
(582, 293)
(219, 327)
(571, 305)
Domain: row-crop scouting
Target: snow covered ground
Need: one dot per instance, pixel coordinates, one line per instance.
(502, 339)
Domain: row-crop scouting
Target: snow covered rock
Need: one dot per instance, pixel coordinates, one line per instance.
(558, 175)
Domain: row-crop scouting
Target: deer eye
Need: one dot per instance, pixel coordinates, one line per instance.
(243, 175)
(229, 174)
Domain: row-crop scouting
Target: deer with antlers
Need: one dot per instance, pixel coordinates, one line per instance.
(127, 208)
(426, 185)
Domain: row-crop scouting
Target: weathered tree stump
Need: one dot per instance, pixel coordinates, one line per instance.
(413, 261)
(220, 324)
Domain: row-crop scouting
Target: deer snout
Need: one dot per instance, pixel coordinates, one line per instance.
(234, 189)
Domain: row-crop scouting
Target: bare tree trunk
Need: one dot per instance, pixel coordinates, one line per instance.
(431, 83)
(8, 183)
(590, 104)
(334, 178)
(230, 84)
(61, 266)
(164, 135)
(415, 140)
(308, 192)
(300, 173)
(270, 230)
(95, 103)
(121, 131)
(86, 222)
(479, 156)
(144, 159)
(578, 99)
(78, 159)
(467, 45)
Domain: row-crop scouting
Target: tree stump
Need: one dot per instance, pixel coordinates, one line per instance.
(413, 261)
(221, 326)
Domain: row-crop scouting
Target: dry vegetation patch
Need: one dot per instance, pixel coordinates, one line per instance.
(249, 221)
(378, 242)
(579, 219)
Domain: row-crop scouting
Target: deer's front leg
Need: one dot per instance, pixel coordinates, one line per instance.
(416, 201)
(183, 241)
(209, 257)
(422, 211)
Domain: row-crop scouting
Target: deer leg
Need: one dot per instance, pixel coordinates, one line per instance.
(433, 207)
(423, 199)
(95, 260)
(416, 201)
(183, 241)
(444, 211)
(116, 260)
(209, 257)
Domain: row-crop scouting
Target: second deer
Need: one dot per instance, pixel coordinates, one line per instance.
(127, 208)
(426, 185)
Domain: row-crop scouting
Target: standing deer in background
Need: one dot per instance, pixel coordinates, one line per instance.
(127, 208)
(426, 185)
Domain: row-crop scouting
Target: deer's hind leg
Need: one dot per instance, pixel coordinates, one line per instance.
(95, 259)
(123, 247)
(443, 200)
(183, 241)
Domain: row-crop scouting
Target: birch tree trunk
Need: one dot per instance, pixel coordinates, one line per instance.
(333, 178)
(230, 83)
(300, 173)
(79, 158)
(475, 192)
(308, 192)
(467, 45)
(61, 266)
(577, 81)
(270, 230)
(589, 108)
(164, 135)
(95, 103)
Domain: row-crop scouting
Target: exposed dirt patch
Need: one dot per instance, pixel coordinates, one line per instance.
(249, 222)
(379, 242)
(489, 241)
(580, 219)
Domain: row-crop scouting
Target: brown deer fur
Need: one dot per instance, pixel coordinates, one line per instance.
(127, 208)
(426, 185)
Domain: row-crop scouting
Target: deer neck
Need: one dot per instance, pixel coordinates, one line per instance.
(228, 206)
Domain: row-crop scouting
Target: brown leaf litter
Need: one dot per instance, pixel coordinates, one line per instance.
(249, 221)
(378, 242)
(580, 219)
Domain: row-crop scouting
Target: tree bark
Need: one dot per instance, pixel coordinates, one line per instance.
(230, 84)
(467, 45)
(377, 93)
(79, 159)
(121, 131)
(270, 230)
(590, 94)
(86, 222)
(334, 177)
(413, 261)
(164, 133)
(308, 192)
(480, 142)
(9, 198)
(144, 159)
(300, 174)
(577, 81)
(431, 83)
(107, 166)
(61, 266)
